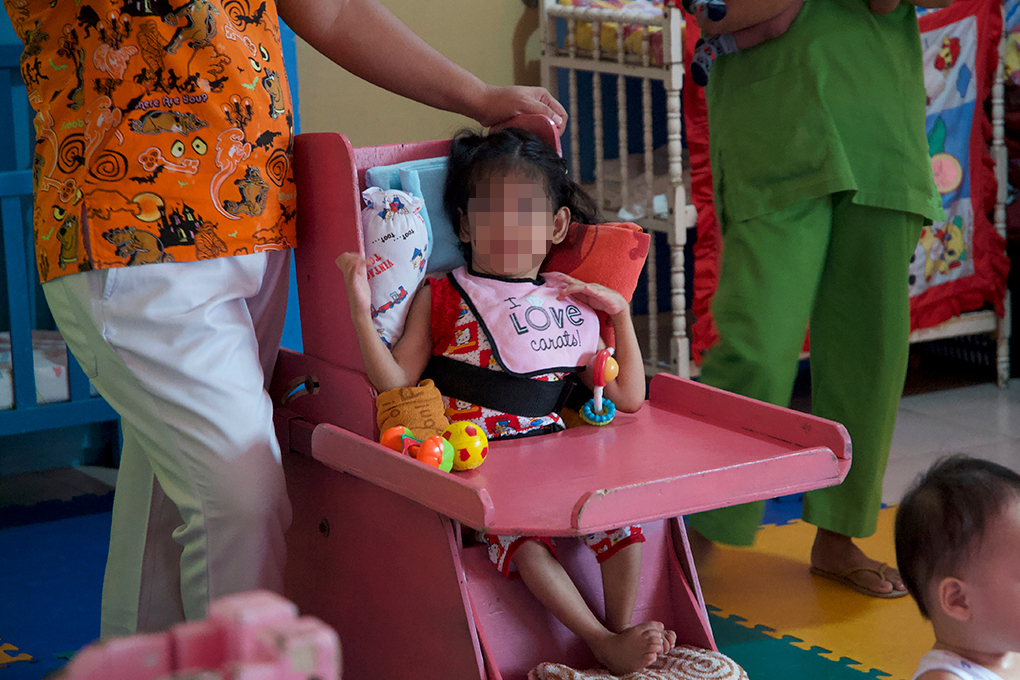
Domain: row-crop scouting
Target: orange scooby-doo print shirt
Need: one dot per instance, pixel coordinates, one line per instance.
(164, 130)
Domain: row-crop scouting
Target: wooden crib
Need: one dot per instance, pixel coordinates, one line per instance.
(656, 54)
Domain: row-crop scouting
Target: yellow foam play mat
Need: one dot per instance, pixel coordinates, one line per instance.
(766, 592)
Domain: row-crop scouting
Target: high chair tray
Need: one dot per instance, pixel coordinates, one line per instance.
(690, 448)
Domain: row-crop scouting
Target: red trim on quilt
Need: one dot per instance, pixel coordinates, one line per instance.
(991, 266)
(708, 246)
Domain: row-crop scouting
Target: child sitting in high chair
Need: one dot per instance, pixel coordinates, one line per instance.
(499, 323)
(958, 550)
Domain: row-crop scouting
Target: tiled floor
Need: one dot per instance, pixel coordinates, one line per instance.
(978, 420)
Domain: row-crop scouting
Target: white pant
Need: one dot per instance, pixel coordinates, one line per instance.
(184, 353)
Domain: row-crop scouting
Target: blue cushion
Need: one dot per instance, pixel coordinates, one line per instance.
(389, 177)
(425, 178)
(383, 176)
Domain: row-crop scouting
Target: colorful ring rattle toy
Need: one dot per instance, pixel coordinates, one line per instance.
(605, 370)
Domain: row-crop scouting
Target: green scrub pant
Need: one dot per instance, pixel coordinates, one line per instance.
(843, 266)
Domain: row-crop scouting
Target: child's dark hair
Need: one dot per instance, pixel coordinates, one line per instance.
(473, 157)
(942, 518)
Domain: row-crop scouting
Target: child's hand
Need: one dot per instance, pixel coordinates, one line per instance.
(598, 297)
(355, 271)
(628, 390)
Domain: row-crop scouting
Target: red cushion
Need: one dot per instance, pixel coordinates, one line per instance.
(611, 254)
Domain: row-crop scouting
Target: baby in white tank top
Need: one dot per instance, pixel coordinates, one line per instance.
(958, 550)
(954, 664)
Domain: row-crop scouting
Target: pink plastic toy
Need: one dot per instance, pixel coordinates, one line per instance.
(249, 636)
(377, 546)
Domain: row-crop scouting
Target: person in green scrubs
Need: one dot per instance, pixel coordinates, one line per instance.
(822, 185)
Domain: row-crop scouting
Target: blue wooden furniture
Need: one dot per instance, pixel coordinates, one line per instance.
(22, 293)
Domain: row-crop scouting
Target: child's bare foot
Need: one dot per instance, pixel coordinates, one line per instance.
(631, 650)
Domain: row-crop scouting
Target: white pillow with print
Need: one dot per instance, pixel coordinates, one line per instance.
(397, 251)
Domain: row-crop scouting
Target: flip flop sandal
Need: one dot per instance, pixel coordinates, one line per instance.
(844, 578)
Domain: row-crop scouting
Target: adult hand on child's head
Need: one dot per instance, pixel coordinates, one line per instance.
(500, 103)
(598, 297)
(355, 270)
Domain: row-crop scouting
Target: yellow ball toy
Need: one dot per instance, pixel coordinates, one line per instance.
(470, 445)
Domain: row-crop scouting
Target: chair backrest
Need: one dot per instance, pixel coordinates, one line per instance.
(330, 176)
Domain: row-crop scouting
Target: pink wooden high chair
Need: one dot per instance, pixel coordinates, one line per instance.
(376, 548)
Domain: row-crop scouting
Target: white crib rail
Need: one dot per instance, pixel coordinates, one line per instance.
(554, 56)
(683, 214)
(1004, 325)
(597, 61)
(653, 277)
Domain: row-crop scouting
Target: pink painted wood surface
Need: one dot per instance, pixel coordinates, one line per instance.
(650, 465)
(282, 418)
(523, 633)
(724, 408)
(366, 459)
(328, 223)
(688, 572)
(366, 157)
(344, 397)
(690, 617)
(486, 648)
(385, 575)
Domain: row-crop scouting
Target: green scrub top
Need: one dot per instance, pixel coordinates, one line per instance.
(837, 103)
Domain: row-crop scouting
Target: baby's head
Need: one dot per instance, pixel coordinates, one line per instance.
(510, 200)
(958, 550)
